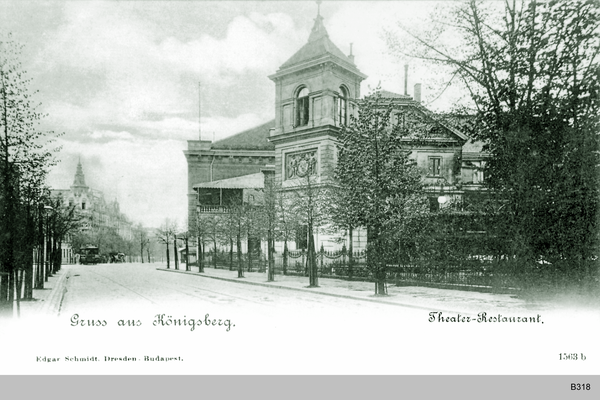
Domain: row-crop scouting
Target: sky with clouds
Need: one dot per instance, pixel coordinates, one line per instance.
(121, 79)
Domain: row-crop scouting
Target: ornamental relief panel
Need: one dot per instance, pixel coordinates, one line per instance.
(301, 164)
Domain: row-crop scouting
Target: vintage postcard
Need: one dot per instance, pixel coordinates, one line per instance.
(299, 187)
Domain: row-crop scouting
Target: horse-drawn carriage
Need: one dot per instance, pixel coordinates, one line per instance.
(116, 257)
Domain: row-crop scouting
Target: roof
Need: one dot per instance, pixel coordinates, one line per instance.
(256, 138)
(391, 95)
(252, 181)
(318, 45)
(473, 146)
(432, 117)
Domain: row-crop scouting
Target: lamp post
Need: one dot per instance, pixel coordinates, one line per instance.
(441, 198)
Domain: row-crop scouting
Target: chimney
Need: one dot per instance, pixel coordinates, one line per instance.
(417, 93)
(351, 56)
(406, 79)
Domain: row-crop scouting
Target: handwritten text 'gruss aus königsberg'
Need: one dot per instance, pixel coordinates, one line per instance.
(159, 320)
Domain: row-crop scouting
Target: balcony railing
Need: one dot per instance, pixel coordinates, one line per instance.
(212, 209)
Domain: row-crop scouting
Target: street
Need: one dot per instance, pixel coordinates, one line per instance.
(140, 287)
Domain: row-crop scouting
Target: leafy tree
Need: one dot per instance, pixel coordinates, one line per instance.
(532, 72)
(377, 179)
(23, 148)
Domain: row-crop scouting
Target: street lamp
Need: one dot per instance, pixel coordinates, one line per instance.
(441, 198)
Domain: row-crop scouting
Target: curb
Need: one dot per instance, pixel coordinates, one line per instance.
(52, 304)
(343, 296)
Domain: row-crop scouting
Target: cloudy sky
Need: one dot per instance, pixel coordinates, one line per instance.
(120, 79)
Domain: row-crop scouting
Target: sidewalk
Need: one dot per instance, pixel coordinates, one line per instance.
(431, 299)
(46, 301)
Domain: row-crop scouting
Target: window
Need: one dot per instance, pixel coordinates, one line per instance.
(302, 107)
(435, 166)
(83, 205)
(401, 120)
(342, 106)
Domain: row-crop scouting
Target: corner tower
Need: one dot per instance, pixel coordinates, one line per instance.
(315, 92)
(79, 187)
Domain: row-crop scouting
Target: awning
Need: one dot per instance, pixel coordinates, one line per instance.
(253, 181)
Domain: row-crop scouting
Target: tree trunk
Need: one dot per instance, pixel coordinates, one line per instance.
(5, 305)
(285, 257)
(230, 253)
(18, 283)
(59, 256)
(313, 279)
(271, 275)
(350, 253)
(187, 255)
(28, 276)
(168, 261)
(239, 257)
(200, 256)
(214, 253)
(11, 289)
(175, 252)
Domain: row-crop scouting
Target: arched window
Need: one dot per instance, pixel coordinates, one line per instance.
(343, 106)
(302, 107)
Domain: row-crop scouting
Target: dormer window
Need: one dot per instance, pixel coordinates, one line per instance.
(343, 106)
(302, 107)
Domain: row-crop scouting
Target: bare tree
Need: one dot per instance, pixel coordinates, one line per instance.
(310, 200)
(165, 235)
(141, 238)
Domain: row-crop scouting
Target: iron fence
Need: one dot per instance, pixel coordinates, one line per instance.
(477, 273)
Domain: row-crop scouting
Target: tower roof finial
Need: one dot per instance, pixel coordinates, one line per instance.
(318, 30)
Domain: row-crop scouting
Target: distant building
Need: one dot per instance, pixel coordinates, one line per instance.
(316, 90)
(94, 209)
